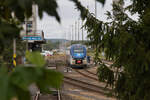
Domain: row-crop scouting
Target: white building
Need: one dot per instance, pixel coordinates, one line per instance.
(30, 34)
(32, 21)
(30, 31)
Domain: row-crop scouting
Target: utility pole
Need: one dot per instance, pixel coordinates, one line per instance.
(78, 29)
(14, 48)
(65, 48)
(75, 30)
(26, 36)
(72, 33)
(65, 41)
(95, 9)
(82, 31)
(87, 31)
(14, 52)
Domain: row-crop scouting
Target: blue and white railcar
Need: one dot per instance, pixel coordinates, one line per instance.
(78, 54)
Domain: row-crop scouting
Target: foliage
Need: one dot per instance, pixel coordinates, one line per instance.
(12, 14)
(15, 84)
(8, 31)
(105, 75)
(126, 42)
(84, 42)
(23, 8)
(51, 45)
(8, 52)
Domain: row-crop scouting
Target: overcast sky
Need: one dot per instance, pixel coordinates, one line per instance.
(69, 15)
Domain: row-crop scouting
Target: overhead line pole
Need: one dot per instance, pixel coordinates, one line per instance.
(95, 9)
(65, 48)
(14, 48)
(75, 30)
(26, 37)
(82, 31)
(87, 31)
(72, 33)
(78, 29)
(14, 52)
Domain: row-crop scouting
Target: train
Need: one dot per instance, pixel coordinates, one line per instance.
(77, 56)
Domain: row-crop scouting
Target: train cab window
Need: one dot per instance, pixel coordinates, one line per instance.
(78, 50)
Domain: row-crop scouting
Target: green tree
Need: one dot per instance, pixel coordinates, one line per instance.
(127, 42)
(13, 13)
(15, 84)
(124, 40)
(51, 45)
(48, 46)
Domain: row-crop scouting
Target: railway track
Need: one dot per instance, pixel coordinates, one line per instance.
(107, 63)
(85, 75)
(86, 86)
(94, 75)
(90, 72)
(80, 84)
(37, 96)
(40, 96)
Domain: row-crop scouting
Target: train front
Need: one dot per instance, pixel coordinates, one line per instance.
(78, 56)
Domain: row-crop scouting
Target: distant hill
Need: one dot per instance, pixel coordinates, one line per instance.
(56, 40)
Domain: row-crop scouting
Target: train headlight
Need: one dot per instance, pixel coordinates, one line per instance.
(78, 61)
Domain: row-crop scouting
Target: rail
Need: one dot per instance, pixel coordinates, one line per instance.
(86, 85)
(85, 75)
(37, 95)
(59, 95)
(90, 72)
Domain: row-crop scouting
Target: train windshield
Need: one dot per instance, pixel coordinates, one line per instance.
(78, 50)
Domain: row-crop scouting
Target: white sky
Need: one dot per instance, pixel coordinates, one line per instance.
(69, 15)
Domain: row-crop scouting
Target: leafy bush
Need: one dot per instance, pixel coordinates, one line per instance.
(16, 84)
